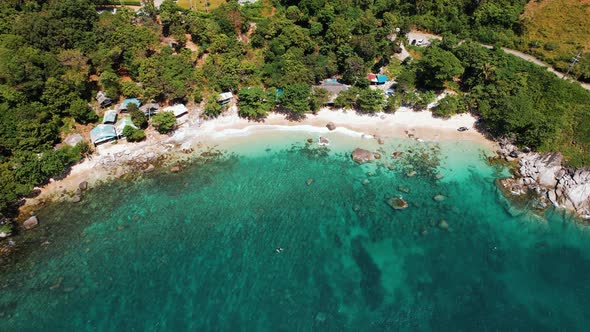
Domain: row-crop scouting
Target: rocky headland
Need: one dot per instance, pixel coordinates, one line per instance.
(545, 176)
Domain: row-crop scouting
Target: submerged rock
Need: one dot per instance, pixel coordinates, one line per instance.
(175, 169)
(310, 140)
(439, 176)
(396, 154)
(309, 181)
(150, 168)
(403, 189)
(397, 203)
(76, 199)
(443, 224)
(423, 231)
(324, 141)
(362, 156)
(439, 198)
(320, 317)
(411, 174)
(186, 147)
(365, 182)
(31, 223)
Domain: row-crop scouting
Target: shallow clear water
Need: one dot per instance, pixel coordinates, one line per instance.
(195, 251)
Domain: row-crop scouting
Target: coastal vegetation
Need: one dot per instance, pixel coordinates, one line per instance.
(55, 55)
(133, 134)
(164, 122)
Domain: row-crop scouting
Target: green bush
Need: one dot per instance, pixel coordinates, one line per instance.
(551, 46)
(198, 96)
(81, 112)
(6, 228)
(164, 122)
(138, 117)
(393, 103)
(131, 89)
(212, 108)
(449, 106)
(133, 135)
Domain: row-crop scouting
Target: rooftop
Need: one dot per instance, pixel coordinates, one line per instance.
(128, 101)
(124, 122)
(178, 109)
(103, 133)
(110, 116)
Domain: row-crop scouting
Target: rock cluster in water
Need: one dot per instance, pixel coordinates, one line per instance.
(545, 175)
(362, 156)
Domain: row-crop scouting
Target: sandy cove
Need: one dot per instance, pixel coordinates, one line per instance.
(111, 161)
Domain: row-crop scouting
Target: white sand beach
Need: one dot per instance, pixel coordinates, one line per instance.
(115, 160)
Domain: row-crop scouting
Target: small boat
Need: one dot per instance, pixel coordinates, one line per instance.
(462, 129)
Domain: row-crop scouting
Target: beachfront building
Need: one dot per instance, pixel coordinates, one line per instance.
(377, 78)
(103, 133)
(126, 102)
(121, 124)
(103, 100)
(110, 117)
(178, 110)
(150, 109)
(224, 98)
(333, 87)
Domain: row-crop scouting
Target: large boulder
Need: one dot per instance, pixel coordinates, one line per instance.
(362, 156)
(397, 203)
(543, 169)
(83, 185)
(31, 223)
(331, 126)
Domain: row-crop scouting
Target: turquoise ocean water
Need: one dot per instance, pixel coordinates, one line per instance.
(196, 251)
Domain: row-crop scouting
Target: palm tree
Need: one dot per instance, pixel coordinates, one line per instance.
(487, 70)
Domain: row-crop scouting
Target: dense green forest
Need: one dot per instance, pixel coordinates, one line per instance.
(56, 54)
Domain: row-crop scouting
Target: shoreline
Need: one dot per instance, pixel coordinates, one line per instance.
(111, 161)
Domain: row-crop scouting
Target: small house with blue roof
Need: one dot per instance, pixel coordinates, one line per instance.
(126, 102)
(110, 117)
(103, 133)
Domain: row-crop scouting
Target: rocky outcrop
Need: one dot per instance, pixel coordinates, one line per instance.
(362, 156)
(545, 175)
